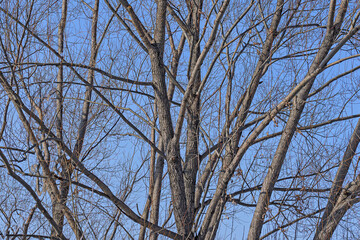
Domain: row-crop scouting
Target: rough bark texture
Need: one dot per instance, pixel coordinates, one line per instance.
(171, 147)
(192, 160)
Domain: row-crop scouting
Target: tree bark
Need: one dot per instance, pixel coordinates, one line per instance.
(339, 201)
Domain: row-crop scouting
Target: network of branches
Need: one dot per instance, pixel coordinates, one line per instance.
(170, 119)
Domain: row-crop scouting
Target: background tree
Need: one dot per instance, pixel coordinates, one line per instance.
(170, 119)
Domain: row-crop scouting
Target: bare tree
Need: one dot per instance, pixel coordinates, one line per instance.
(170, 119)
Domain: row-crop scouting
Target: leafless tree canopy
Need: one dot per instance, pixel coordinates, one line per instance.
(179, 119)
